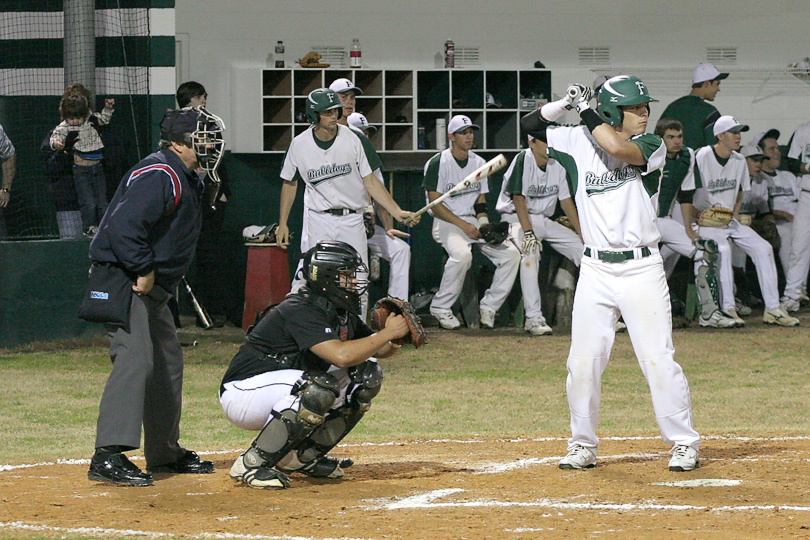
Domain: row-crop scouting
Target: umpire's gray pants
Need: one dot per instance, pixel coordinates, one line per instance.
(146, 383)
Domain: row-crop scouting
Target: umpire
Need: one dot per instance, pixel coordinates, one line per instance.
(149, 234)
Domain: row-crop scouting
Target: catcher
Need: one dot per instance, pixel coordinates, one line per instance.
(307, 372)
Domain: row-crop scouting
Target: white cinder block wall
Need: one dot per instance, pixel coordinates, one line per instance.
(225, 44)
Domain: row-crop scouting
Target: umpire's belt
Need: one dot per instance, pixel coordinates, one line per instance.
(618, 256)
(338, 211)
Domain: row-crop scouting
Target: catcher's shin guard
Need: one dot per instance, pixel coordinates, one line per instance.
(365, 385)
(287, 429)
(708, 287)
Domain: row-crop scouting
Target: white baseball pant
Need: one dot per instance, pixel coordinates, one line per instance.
(752, 245)
(799, 264)
(565, 241)
(505, 257)
(398, 254)
(637, 290)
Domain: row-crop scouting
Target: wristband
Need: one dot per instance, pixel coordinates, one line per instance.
(591, 119)
(483, 220)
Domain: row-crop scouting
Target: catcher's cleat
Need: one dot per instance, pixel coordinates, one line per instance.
(684, 458)
(446, 319)
(487, 318)
(260, 478)
(324, 467)
(189, 463)
(578, 457)
(537, 327)
(779, 317)
(117, 469)
(718, 319)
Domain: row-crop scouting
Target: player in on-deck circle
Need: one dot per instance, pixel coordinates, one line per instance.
(456, 227)
(614, 168)
(532, 185)
(678, 237)
(724, 175)
(799, 162)
(332, 162)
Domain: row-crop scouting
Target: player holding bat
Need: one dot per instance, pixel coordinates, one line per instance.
(459, 222)
(614, 171)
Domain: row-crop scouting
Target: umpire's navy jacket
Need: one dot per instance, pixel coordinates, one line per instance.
(153, 220)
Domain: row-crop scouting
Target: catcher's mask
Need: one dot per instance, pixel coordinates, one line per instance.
(335, 270)
(202, 130)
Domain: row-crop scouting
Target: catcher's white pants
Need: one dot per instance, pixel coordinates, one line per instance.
(637, 290)
(505, 257)
(755, 247)
(398, 254)
(318, 227)
(799, 264)
(675, 243)
(562, 239)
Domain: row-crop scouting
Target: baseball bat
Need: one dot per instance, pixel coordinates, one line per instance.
(202, 313)
(474, 177)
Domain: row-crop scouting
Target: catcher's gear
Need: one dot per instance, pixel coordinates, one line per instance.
(706, 282)
(203, 131)
(322, 99)
(385, 306)
(368, 222)
(495, 233)
(530, 243)
(336, 271)
(621, 91)
(716, 216)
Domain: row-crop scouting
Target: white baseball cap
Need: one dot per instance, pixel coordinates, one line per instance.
(344, 85)
(359, 121)
(728, 123)
(459, 122)
(707, 72)
(752, 151)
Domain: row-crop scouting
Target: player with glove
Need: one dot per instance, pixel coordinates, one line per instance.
(459, 222)
(307, 372)
(531, 188)
(614, 168)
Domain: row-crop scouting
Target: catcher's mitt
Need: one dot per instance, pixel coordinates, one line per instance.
(715, 216)
(311, 60)
(388, 305)
(495, 233)
(368, 221)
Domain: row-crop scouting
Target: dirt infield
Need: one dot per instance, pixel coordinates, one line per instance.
(476, 489)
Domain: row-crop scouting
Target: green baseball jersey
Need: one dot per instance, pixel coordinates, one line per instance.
(679, 174)
(698, 118)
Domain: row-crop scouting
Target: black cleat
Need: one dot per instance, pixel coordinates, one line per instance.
(189, 463)
(117, 469)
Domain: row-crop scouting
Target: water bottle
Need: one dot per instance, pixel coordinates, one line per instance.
(280, 54)
(355, 54)
(421, 143)
(449, 54)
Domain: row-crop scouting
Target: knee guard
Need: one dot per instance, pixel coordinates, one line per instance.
(708, 287)
(288, 428)
(366, 383)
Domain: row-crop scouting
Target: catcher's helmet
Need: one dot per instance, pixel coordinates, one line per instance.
(621, 91)
(322, 99)
(334, 269)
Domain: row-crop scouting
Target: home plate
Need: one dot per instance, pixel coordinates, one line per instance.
(701, 482)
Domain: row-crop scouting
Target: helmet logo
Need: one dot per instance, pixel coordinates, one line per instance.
(641, 88)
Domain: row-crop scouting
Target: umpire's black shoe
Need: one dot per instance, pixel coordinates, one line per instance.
(189, 463)
(116, 469)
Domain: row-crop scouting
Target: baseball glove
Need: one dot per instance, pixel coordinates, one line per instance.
(495, 233)
(715, 216)
(368, 221)
(565, 222)
(389, 304)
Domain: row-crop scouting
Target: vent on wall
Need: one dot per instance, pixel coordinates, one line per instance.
(467, 56)
(594, 55)
(333, 55)
(721, 55)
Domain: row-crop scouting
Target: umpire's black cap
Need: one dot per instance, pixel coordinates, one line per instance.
(178, 125)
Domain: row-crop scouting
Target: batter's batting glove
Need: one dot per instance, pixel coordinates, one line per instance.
(530, 243)
(579, 96)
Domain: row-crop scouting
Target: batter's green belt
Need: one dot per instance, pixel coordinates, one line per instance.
(617, 256)
(339, 211)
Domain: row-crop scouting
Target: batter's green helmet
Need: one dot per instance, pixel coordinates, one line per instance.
(621, 91)
(321, 100)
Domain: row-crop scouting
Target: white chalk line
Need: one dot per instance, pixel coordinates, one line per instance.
(99, 531)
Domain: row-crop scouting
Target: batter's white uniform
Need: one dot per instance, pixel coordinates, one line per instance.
(720, 185)
(442, 172)
(335, 196)
(800, 248)
(542, 189)
(617, 206)
(783, 195)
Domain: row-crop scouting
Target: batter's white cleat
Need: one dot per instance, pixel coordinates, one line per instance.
(791, 305)
(684, 458)
(578, 457)
(717, 320)
(537, 327)
(733, 314)
(446, 318)
(487, 318)
(779, 317)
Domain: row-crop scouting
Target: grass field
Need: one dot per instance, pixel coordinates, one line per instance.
(500, 383)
